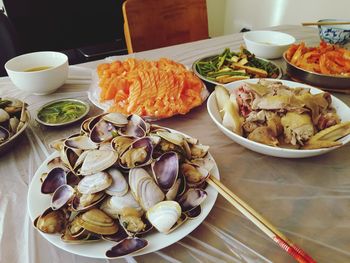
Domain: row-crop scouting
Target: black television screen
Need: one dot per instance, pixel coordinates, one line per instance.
(65, 24)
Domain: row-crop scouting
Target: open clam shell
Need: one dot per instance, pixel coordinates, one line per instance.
(165, 170)
(192, 198)
(117, 119)
(195, 175)
(51, 221)
(117, 237)
(136, 127)
(4, 134)
(80, 142)
(97, 161)
(144, 188)
(54, 179)
(96, 221)
(199, 150)
(125, 205)
(102, 131)
(119, 184)
(127, 246)
(62, 196)
(138, 154)
(164, 215)
(94, 183)
(84, 202)
(195, 212)
(121, 143)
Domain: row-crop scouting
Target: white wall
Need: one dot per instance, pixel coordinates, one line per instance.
(229, 16)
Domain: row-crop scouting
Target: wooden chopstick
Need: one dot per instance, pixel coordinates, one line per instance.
(261, 222)
(328, 23)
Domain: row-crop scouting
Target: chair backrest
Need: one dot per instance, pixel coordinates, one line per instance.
(8, 42)
(150, 24)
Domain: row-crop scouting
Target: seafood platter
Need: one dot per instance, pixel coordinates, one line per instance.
(14, 119)
(121, 186)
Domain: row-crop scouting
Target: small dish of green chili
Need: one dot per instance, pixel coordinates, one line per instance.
(62, 112)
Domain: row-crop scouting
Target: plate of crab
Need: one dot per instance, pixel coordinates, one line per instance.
(121, 186)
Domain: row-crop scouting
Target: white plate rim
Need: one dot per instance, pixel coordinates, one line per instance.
(102, 246)
(303, 153)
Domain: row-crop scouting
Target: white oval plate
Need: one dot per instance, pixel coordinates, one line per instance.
(342, 109)
(38, 202)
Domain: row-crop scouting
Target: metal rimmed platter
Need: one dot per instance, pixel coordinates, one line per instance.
(79, 102)
(331, 83)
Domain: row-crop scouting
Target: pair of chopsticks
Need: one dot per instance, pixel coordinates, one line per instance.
(326, 23)
(292, 249)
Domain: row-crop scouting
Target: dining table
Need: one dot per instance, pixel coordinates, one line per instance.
(307, 199)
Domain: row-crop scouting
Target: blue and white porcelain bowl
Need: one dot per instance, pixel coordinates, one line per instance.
(334, 34)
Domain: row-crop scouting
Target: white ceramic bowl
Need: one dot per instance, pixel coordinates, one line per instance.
(342, 109)
(38, 82)
(267, 44)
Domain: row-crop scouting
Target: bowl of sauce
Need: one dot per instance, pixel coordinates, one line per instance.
(62, 112)
(39, 73)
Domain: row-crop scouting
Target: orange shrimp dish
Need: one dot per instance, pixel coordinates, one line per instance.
(157, 89)
(325, 59)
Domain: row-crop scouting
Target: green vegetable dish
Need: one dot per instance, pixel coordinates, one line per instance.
(61, 112)
(231, 66)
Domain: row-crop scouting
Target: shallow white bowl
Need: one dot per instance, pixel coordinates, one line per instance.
(38, 82)
(342, 109)
(267, 44)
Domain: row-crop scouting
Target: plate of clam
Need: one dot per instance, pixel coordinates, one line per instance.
(121, 186)
(14, 119)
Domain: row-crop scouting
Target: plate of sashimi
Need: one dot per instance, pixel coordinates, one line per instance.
(152, 89)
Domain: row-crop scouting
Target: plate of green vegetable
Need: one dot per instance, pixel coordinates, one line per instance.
(231, 66)
(62, 112)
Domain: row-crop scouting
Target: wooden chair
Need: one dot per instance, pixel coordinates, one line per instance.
(150, 24)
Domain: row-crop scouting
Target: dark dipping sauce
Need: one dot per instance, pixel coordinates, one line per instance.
(61, 112)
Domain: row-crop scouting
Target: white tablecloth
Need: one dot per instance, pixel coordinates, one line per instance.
(307, 199)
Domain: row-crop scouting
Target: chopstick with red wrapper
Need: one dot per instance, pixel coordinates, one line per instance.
(292, 249)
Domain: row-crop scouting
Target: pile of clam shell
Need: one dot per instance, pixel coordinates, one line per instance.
(121, 178)
(12, 118)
